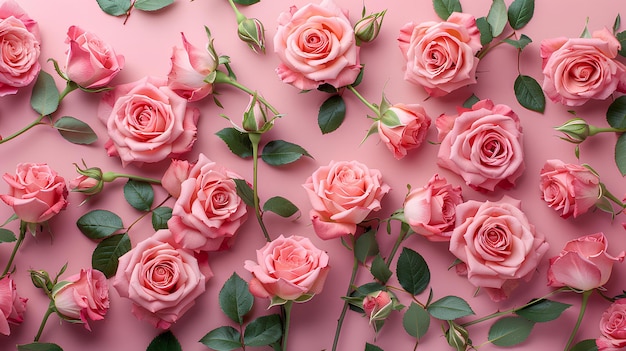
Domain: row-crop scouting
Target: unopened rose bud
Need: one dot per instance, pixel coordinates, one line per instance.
(457, 337)
(252, 32)
(255, 117)
(89, 181)
(378, 305)
(367, 28)
(576, 130)
(41, 280)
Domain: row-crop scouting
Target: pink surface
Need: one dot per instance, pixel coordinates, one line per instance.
(146, 41)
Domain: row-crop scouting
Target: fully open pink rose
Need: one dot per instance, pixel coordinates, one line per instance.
(579, 69)
(91, 63)
(342, 195)
(483, 145)
(12, 306)
(174, 175)
(208, 210)
(289, 268)
(36, 192)
(19, 35)
(583, 263)
(82, 297)
(190, 66)
(440, 56)
(316, 45)
(497, 244)
(613, 327)
(147, 122)
(403, 127)
(431, 210)
(162, 279)
(569, 188)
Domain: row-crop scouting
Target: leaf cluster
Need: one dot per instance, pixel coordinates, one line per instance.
(123, 7)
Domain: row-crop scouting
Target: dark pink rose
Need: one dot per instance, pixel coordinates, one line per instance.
(403, 127)
(190, 66)
(613, 327)
(82, 297)
(12, 306)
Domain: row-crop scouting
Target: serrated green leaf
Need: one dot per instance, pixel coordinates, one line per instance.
(497, 17)
(280, 152)
(509, 331)
(262, 331)
(485, 30)
(621, 37)
(449, 308)
(7, 236)
(444, 8)
(235, 298)
(39, 346)
(115, 7)
(520, 13)
(75, 130)
(416, 320)
(246, 2)
(585, 345)
(470, 101)
(529, 94)
(45, 95)
(616, 113)
(412, 271)
(519, 44)
(331, 114)
(543, 310)
(379, 269)
(139, 195)
(224, 338)
(620, 154)
(244, 191)
(165, 341)
(238, 142)
(106, 255)
(370, 347)
(160, 216)
(366, 246)
(280, 206)
(99, 224)
(152, 5)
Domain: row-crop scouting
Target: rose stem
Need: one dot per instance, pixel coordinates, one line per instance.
(222, 77)
(367, 103)
(287, 310)
(50, 310)
(255, 139)
(355, 267)
(19, 241)
(583, 307)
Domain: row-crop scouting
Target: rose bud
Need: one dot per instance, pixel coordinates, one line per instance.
(457, 337)
(576, 130)
(367, 28)
(175, 175)
(255, 118)
(252, 32)
(378, 305)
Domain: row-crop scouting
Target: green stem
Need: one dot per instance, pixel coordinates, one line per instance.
(23, 130)
(488, 48)
(19, 241)
(342, 316)
(593, 130)
(255, 139)
(222, 77)
(606, 193)
(240, 16)
(363, 100)
(404, 230)
(583, 307)
(147, 213)
(287, 312)
(111, 176)
(50, 310)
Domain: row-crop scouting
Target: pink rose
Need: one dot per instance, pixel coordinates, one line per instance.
(86, 185)
(431, 211)
(36, 192)
(190, 66)
(19, 35)
(378, 305)
(483, 145)
(342, 195)
(82, 297)
(12, 307)
(174, 175)
(316, 45)
(440, 56)
(147, 122)
(289, 268)
(403, 127)
(583, 263)
(91, 63)
(208, 211)
(613, 327)
(578, 69)
(497, 245)
(161, 279)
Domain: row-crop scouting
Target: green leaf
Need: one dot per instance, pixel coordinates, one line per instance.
(106, 255)
(235, 298)
(160, 216)
(416, 320)
(521, 43)
(280, 152)
(244, 191)
(620, 154)
(470, 101)
(509, 331)
(45, 96)
(621, 37)
(224, 338)
(585, 345)
(246, 2)
(99, 224)
(497, 17)
(617, 23)
(75, 130)
(520, 13)
(444, 8)
(412, 271)
(616, 113)
(366, 246)
(331, 114)
(139, 195)
(280, 206)
(165, 341)
(529, 94)
(485, 30)
(39, 346)
(370, 347)
(7, 236)
(152, 5)
(262, 331)
(379, 269)
(543, 311)
(449, 308)
(238, 142)
(115, 7)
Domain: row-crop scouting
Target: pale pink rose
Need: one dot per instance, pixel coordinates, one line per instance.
(289, 268)
(613, 327)
(36, 192)
(147, 122)
(208, 211)
(316, 45)
(483, 145)
(431, 210)
(497, 245)
(91, 63)
(82, 297)
(12, 306)
(86, 185)
(569, 188)
(409, 133)
(161, 279)
(174, 175)
(19, 35)
(342, 195)
(190, 66)
(440, 56)
(579, 69)
(583, 263)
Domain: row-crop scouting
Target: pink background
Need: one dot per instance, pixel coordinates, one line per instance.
(146, 41)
